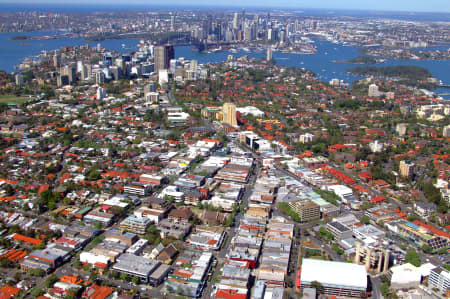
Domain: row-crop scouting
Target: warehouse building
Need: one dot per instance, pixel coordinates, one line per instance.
(147, 270)
(336, 278)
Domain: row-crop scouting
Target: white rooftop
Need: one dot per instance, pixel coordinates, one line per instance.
(339, 189)
(405, 274)
(334, 273)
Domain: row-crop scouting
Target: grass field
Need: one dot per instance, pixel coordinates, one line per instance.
(12, 99)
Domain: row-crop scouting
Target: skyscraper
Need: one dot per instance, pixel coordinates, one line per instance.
(56, 61)
(373, 91)
(84, 73)
(19, 79)
(163, 55)
(69, 72)
(236, 21)
(229, 114)
(172, 23)
(406, 169)
(269, 54)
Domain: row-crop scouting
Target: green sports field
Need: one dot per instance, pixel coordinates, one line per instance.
(12, 99)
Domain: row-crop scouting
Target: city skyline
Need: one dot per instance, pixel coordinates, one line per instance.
(441, 6)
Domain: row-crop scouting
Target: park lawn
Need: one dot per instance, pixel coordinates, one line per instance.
(12, 99)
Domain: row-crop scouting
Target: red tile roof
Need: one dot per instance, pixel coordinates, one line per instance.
(26, 239)
(229, 294)
(97, 292)
(432, 229)
(8, 292)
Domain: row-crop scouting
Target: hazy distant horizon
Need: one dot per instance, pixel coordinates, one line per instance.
(405, 6)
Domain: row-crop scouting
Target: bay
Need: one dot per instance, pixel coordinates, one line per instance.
(14, 52)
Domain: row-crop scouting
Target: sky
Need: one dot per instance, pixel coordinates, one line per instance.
(382, 5)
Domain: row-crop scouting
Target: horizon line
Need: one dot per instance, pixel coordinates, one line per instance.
(201, 6)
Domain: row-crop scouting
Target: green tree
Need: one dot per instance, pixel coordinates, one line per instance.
(412, 257)
(364, 219)
(76, 264)
(5, 263)
(413, 217)
(384, 289)
(124, 277)
(36, 292)
(229, 221)
(135, 280)
(50, 281)
(37, 272)
(325, 233)
(337, 249)
(93, 175)
(67, 201)
(427, 248)
(365, 205)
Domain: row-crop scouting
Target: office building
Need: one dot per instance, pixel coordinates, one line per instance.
(62, 80)
(151, 87)
(339, 230)
(135, 224)
(80, 64)
(121, 236)
(375, 258)
(115, 72)
(373, 90)
(84, 73)
(306, 209)
(99, 77)
(401, 129)
(141, 189)
(236, 21)
(163, 55)
(446, 131)
(19, 79)
(69, 72)
(229, 114)
(101, 93)
(306, 138)
(440, 279)
(147, 270)
(269, 54)
(406, 169)
(56, 61)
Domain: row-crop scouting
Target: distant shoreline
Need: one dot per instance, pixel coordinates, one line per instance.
(13, 6)
(362, 60)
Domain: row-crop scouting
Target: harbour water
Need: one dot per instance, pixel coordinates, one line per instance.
(13, 53)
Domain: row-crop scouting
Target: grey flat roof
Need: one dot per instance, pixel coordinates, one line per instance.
(136, 264)
(339, 226)
(160, 272)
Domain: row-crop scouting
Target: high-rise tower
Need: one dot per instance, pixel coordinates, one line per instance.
(163, 55)
(229, 114)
